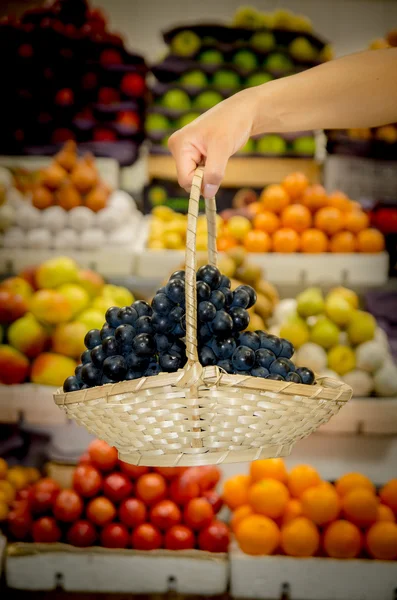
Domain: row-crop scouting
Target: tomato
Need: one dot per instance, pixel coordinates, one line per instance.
(19, 522)
(184, 488)
(101, 511)
(68, 506)
(103, 456)
(84, 459)
(215, 537)
(165, 514)
(170, 472)
(115, 535)
(146, 537)
(132, 512)
(214, 499)
(43, 495)
(117, 487)
(198, 514)
(209, 477)
(132, 471)
(179, 537)
(82, 534)
(151, 488)
(87, 481)
(46, 530)
(24, 494)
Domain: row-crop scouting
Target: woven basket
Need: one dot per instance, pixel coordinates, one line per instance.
(202, 415)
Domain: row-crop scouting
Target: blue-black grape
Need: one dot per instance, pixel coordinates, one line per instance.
(144, 324)
(162, 342)
(218, 299)
(162, 323)
(281, 366)
(161, 304)
(306, 375)
(262, 337)
(124, 335)
(143, 344)
(222, 324)
(142, 308)
(264, 358)
(98, 355)
(131, 374)
(115, 367)
(287, 348)
(223, 347)
(259, 372)
(178, 348)
(251, 292)
(107, 331)
(110, 346)
(207, 356)
(77, 372)
(240, 298)
(203, 291)
(127, 315)
(135, 362)
(175, 290)
(178, 330)
(226, 365)
(275, 376)
(161, 290)
(293, 376)
(206, 311)
(86, 357)
(228, 296)
(90, 375)
(92, 338)
(225, 282)
(243, 358)
(153, 369)
(204, 333)
(178, 275)
(112, 316)
(250, 339)
(273, 343)
(210, 274)
(169, 363)
(240, 318)
(71, 384)
(105, 380)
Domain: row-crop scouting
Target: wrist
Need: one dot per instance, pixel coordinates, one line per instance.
(267, 102)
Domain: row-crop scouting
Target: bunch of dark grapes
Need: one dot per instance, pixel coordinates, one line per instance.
(142, 340)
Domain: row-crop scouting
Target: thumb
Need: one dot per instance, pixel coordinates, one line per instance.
(215, 165)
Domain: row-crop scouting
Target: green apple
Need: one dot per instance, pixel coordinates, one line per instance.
(278, 62)
(195, 78)
(245, 59)
(176, 100)
(207, 100)
(226, 79)
(186, 119)
(157, 195)
(211, 57)
(185, 43)
(248, 17)
(304, 145)
(271, 144)
(283, 19)
(258, 79)
(248, 148)
(301, 49)
(157, 122)
(263, 41)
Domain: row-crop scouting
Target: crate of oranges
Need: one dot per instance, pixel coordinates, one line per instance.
(294, 528)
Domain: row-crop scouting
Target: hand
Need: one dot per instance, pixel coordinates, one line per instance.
(211, 139)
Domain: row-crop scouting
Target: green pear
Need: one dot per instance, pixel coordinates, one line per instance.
(338, 309)
(361, 327)
(325, 333)
(295, 331)
(310, 303)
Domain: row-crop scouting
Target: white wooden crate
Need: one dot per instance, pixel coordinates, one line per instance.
(34, 403)
(267, 577)
(47, 566)
(365, 416)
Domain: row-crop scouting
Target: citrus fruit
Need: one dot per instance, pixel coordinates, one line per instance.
(258, 535)
(271, 468)
(300, 537)
(321, 504)
(360, 506)
(314, 197)
(295, 184)
(297, 217)
(292, 510)
(225, 242)
(342, 540)
(17, 477)
(3, 468)
(381, 540)
(268, 497)
(352, 481)
(242, 512)
(254, 208)
(343, 242)
(274, 198)
(257, 241)
(355, 221)
(8, 490)
(314, 241)
(329, 220)
(340, 201)
(370, 241)
(388, 494)
(286, 240)
(4, 510)
(301, 478)
(266, 221)
(238, 227)
(235, 491)
(385, 513)
(32, 474)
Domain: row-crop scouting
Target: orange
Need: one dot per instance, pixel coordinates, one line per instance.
(342, 540)
(268, 497)
(344, 241)
(385, 513)
(32, 474)
(339, 200)
(17, 477)
(271, 468)
(300, 537)
(295, 184)
(3, 468)
(370, 241)
(355, 221)
(4, 510)
(292, 510)
(314, 241)
(8, 490)
(274, 198)
(388, 494)
(257, 241)
(329, 220)
(258, 535)
(321, 504)
(255, 208)
(286, 240)
(301, 478)
(266, 221)
(225, 242)
(352, 481)
(381, 540)
(360, 506)
(296, 217)
(314, 197)
(242, 512)
(235, 491)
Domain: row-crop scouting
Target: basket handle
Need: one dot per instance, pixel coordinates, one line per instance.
(190, 259)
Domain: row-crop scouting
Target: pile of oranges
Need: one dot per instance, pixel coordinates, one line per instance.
(295, 216)
(298, 514)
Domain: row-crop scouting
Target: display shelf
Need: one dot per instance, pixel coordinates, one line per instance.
(32, 403)
(3, 544)
(241, 172)
(269, 577)
(46, 567)
(365, 416)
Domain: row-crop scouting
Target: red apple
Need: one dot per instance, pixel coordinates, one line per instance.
(64, 97)
(108, 95)
(103, 134)
(110, 57)
(128, 118)
(133, 84)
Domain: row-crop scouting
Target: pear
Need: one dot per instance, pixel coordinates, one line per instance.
(347, 294)
(311, 356)
(338, 309)
(295, 331)
(268, 290)
(325, 333)
(360, 381)
(370, 356)
(341, 359)
(386, 381)
(361, 327)
(263, 306)
(310, 303)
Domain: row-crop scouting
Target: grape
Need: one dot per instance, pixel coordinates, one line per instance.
(127, 315)
(86, 357)
(259, 372)
(175, 290)
(161, 304)
(224, 282)
(110, 346)
(177, 314)
(131, 374)
(161, 290)
(206, 311)
(281, 366)
(262, 337)
(273, 343)
(144, 324)
(178, 331)
(143, 344)
(162, 323)
(240, 318)
(162, 342)
(226, 365)
(90, 375)
(243, 358)
(105, 380)
(306, 375)
(292, 376)
(77, 372)
(135, 362)
(204, 332)
(98, 355)
(115, 367)
(203, 291)
(250, 339)
(107, 331)
(92, 338)
(241, 298)
(218, 299)
(275, 376)
(178, 348)
(142, 308)
(223, 348)
(228, 296)
(124, 335)
(112, 316)
(251, 293)
(264, 358)
(153, 369)
(287, 348)
(206, 356)
(222, 324)
(211, 275)
(169, 363)
(178, 275)
(71, 384)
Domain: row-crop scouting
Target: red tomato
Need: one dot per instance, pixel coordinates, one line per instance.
(84, 459)
(19, 522)
(132, 512)
(117, 487)
(24, 494)
(198, 514)
(184, 489)
(101, 511)
(170, 472)
(103, 456)
(209, 477)
(68, 506)
(46, 530)
(87, 481)
(165, 514)
(215, 537)
(151, 488)
(179, 537)
(82, 534)
(214, 499)
(132, 470)
(43, 495)
(115, 535)
(146, 537)
(110, 57)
